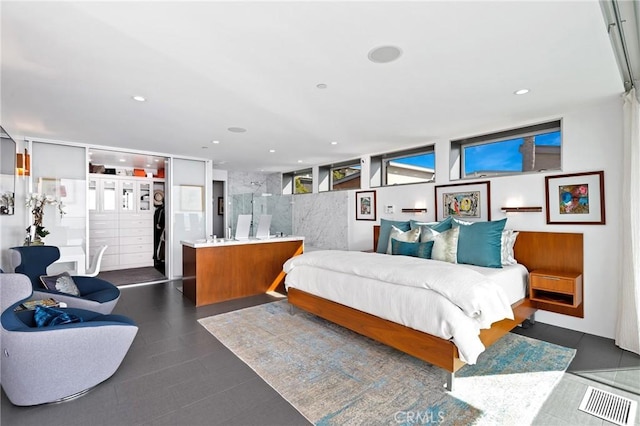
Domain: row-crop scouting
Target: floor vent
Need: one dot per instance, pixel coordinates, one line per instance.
(609, 406)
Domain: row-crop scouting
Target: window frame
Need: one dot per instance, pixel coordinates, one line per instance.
(326, 181)
(381, 163)
(458, 156)
(289, 179)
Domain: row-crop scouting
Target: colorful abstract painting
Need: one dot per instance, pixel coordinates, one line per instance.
(462, 204)
(574, 199)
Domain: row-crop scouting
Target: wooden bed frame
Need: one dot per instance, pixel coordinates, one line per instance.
(432, 349)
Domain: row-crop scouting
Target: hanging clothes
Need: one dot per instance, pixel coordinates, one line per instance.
(158, 234)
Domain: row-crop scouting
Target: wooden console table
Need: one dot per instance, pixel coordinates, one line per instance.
(224, 270)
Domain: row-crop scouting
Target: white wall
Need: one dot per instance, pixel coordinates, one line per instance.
(592, 140)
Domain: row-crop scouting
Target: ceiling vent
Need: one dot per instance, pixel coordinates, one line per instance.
(609, 406)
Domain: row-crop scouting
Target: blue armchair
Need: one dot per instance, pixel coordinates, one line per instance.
(95, 294)
(49, 364)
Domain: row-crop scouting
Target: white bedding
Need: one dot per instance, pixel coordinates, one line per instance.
(512, 279)
(446, 300)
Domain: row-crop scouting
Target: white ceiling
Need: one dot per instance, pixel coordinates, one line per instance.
(69, 71)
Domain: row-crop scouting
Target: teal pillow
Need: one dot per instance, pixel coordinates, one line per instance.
(457, 222)
(480, 243)
(443, 225)
(434, 228)
(385, 232)
(404, 248)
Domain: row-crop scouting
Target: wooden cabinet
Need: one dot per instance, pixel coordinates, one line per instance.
(555, 291)
(214, 273)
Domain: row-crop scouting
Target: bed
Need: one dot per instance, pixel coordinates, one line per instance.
(532, 250)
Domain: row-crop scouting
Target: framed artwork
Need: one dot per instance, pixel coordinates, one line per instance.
(220, 206)
(576, 198)
(467, 201)
(366, 205)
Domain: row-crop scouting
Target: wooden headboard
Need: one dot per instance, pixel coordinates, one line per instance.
(558, 251)
(554, 251)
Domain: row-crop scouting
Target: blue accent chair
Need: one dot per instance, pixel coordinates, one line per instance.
(95, 294)
(49, 364)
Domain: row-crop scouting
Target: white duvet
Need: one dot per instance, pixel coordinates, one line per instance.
(443, 299)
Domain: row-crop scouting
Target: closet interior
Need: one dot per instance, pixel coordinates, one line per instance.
(126, 194)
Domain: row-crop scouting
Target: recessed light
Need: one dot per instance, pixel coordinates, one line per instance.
(215, 142)
(148, 165)
(299, 161)
(334, 143)
(272, 151)
(139, 98)
(122, 160)
(321, 86)
(384, 54)
(156, 160)
(521, 92)
(237, 129)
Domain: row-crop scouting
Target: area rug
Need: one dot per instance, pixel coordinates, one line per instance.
(333, 376)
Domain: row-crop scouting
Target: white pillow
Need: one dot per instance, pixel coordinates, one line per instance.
(411, 236)
(507, 242)
(445, 246)
(427, 233)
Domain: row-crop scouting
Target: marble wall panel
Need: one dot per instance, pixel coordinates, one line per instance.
(322, 219)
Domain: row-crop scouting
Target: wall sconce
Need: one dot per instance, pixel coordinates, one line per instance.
(521, 209)
(23, 163)
(418, 210)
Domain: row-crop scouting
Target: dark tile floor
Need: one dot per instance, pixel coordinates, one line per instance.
(176, 373)
(598, 363)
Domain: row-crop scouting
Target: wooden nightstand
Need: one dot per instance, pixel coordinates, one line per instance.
(563, 289)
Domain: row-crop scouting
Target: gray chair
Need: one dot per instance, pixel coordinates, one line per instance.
(50, 364)
(95, 294)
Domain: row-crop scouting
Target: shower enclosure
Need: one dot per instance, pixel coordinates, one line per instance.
(256, 204)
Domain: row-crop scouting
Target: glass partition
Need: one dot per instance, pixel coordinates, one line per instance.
(63, 182)
(278, 206)
(188, 208)
(7, 173)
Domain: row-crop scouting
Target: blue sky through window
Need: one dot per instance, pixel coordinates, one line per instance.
(503, 156)
(422, 160)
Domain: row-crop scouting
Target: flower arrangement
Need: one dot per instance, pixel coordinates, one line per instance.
(36, 202)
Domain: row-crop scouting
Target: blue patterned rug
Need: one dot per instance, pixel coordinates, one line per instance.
(336, 377)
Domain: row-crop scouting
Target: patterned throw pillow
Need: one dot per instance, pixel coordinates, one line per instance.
(61, 282)
(45, 316)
